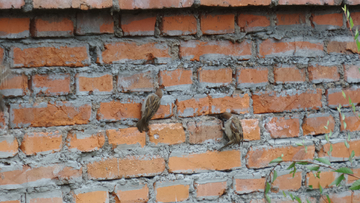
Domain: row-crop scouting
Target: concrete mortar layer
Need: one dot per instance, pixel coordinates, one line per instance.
(96, 44)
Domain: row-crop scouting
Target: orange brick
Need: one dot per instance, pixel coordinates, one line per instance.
(335, 97)
(309, 2)
(234, 3)
(94, 83)
(247, 184)
(199, 50)
(14, 28)
(270, 48)
(174, 25)
(138, 24)
(85, 141)
(203, 131)
(83, 4)
(217, 24)
(149, 4)
(125, 137)
(290, 19)
(251, 129)
(133, 193)
(124, 51)
(130, 166)
(319, 74)
(343, 46)
(261, 157)
(172, 191)
(269, 102)
(281, 127)
(340, 152)
(332, 20)
(215, 77)
(116, 110)
(326, 178)
(52, 26)
(172, 133)
(2, 55)
(343, 197)
(94, 23)
(250, 22)
(210, 189)
(54, 84)
(350, 179)
(352, 122)
(71, 56)
(355, 16)
(239, 104)
(44, 197)
(37, 142)
(177, 79)
(15, 85)
(251, 77)
(44, 115)
(287, 182)
(205, 161)
(196, 106)
(8, 146)
(314, 124)
(289, 75)
(15, 4)
(93, 196)
(138, 82)
(352, 73)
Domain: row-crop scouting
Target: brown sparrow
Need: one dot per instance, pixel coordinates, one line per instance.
(148, 109)
(233, 129)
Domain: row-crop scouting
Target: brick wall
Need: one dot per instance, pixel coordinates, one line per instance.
(80, 70)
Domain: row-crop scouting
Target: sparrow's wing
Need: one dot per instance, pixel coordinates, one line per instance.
(151, 106)
(236, 125)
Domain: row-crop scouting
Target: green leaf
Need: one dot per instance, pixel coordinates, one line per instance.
(268, 198)
(358, 44)
(351, 156)
(284, 193)
(346, 144)
(305, 149)
(350, 102)
(328, 198)
(291, 166)
(344, 9)
(353, 107)
(327, 138)
(343, 116)
(302, 162)
(298, 199)
(344, 125)
(326, 127)
(338, 180)
(310, 186)
(348, 139)
(308, 201)
(275, 176)
(331, 148)
(343, 93)
(327, 124)
(268, 186)
(356, 34)
(313, 168)
(330, 133)
(277, 160)
(355, 185)
(292, 197)
(351, 23)
(299, 144)
(323, 160)
(320, 188)
(344, 170)
(348, 14)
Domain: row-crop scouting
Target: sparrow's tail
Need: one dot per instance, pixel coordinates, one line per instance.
(142, 125)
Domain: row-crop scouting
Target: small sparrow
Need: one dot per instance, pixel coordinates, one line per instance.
(233, 129)
(4, 74)
(148, 109)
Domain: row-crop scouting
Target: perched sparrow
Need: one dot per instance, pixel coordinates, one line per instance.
(233, 129)
(148, 109)
(4, 74)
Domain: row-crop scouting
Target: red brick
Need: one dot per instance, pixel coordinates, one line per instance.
(352, 73)
(356, 19)
(124, 51)
(83, 4)
(129, 194)
(290, 19)
(138, 24)
(356, 196)
(319, 74)
(176, 79)
(8, 146)
(282, 127)
(11, 201)
(71, 56)
(335, 96)
(329, 21)
(130, 166)
(85, 141)
(215, 77)
(251, 129)
(234, 3)
(309, 2)
(326, 178)
(126, 136)
(94, 83)
(250, 22)
(53, 84)
(314, 124)
(14, 28)
(174, 25)
(137, 82)
(199, 50)
(352, 122)
(210, 189)
(343, 197)
(343, 45)
(44, 115)
(93, 196)
(14, 85)
(5, 4)
(45, 197)
(272, 48)
(205, 161)
(116, 110)
(340, 151)
(195, 106)
(217, 24)
(236, 103)
(289, 75)
(149, 4)
(350, 179)
(94, 23)
(261, 157)
(171, 191)
(171, 133)
(52, 26)
(287, 182)
(270, 102)
(249, 184)
(37, 142)
(2, 55)
(204, 131)
(251, 77)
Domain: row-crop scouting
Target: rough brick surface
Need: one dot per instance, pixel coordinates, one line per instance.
(126, 137)
(343, 46)
(251, 77)
(282, 127)
(136, 82)
(288, 182)
(138, 25)
(83, 4)
(51, 197)
(251, 129)
(174, 25)
(93, 196)
(239, 104)
(85, 141)
(340, 152)
(196, 106)
(94, 83)
(215, 77)
(39, 142)
(127, 194)
(90, 23)
(15, 85)
(318, 74)
(2, 52)
(177, 79)
(248, 184)
(202, 131)
(309, 2)
(52, 26)
(290, 19)
(250, 22)
(148, 4)
(328, 21)
(326, 178)
(217, 24)
(335, 96)
(54, 84)
(234, 3)
(289, 75)
(8, 146)
(270, 48)
(5, 4)
(345, 197)
(210, 190)
(352, 122)
(171, 192)
(314, 124)
(352, 73)
(115, 110)
(14, 28)
(172, 133)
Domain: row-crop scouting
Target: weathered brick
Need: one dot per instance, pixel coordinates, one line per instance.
(251, 22)
(71, 56)
(350, 179)
(14, 28)
(217, 24)
(251, 77)
(149, 4)
(130, 166)
(200, 50)
(235, 3)
(48, 114)
(50, 197)
(52, 26)
(269, 102)
(2, 55)
(116, 110)
(289, 75)
(175, 25)
(94, 83)
(247, 184)
(286, 181)
(177, 79)
(14, 4)
(282, 127)
(251, 129)
(119, 52)
(203, 131)
(352, 73)
(41, 142)
(50, 85)
(356, 196)
(193, 106)
(211, 77)
(83, 4)
(179, 163)
(326, 178)
(319, 74)
(167, 133)
(11, 197)
(261, 157)
(91, 196)
(342, 45)
(352, 122)
(340, 151)
(138, 193)
(14, 85)
(236, 103)
(8, 146)
(327, 21)
(138, 82)
(295, 47)
(356, 19)
(94, 23)
(309, 2)
(290, 19)
(138, 24)
(172, 191)
(126, 137)
(210, 189)
(335, 97)
(343, 197)
(351, 2)
(314, 124)
(87, 141)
